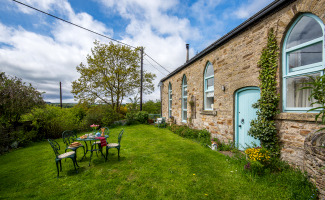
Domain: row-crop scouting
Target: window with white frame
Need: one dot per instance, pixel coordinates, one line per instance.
(208, 87)
(170, 100)
(303, 56)
(184, 99)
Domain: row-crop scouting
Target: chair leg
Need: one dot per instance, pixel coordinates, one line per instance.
(106, 154)
(57, 167)
(74, 163)
(118, 153)
(60, 166)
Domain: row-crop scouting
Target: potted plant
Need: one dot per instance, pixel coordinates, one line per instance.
(171, 119)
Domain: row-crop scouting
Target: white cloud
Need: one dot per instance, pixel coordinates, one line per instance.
(44, 61)
(247, 10)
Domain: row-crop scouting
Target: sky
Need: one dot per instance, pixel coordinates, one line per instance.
(45, 51)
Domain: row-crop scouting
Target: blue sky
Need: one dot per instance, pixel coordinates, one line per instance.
(44, 51)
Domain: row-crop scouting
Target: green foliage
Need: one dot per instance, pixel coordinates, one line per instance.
(113, 73)
(263, 128)
(317, 96)
(222, 146)
(17, 98)
(103, 115)
(24, 137)
(152, 107)
(257, 167)
(201, 136)
(51, 121)
(142, 117)
(131, 118)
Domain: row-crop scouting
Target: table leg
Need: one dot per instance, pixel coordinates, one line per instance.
(91, 152)
(85, 152)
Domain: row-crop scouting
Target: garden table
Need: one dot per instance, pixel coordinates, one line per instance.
(90, 140)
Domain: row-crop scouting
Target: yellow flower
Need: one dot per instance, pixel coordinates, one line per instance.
(206, 194)
(193, 174)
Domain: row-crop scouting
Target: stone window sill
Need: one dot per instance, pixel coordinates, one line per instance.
(309, 117)
(208, 112)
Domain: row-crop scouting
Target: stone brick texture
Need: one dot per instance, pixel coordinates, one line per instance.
(235, 67)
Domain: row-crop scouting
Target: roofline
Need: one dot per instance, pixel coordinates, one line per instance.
(268, 10)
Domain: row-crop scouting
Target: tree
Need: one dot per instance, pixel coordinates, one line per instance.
(113, 73)
(152, 107)
(16, 98)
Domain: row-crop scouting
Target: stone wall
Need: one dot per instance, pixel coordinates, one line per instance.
(314, 159)
(235, 67)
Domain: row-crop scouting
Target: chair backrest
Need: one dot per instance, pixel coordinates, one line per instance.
(163, 119)
(106, 132)
(120, 136)
(55, 146)
(69, 137)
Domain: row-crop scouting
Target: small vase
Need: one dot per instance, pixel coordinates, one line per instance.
(103, 130)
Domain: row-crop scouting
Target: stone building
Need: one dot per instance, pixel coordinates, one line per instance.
(215, 89)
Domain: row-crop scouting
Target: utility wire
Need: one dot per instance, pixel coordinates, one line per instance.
(157, 63)
(153, 66)
(90, 31)
(72, 23)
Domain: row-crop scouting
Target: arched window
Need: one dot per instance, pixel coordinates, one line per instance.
(208, 87)
(184, 99)
(303, 56)
(170, 100)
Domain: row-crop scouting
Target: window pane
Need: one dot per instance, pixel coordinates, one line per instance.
(184, 81)
(184, 115)
(210, 83)
(209, 102)
(209, 71)
(170, 113)
(170, 86)
(170, 94)
(185, 103)
(185, 91)
(305, 56)
(305, 30)
(170, 104)
(299, 98)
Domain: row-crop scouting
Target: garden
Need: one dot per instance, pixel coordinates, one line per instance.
(155, 164)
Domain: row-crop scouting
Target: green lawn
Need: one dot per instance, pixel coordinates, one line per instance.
(155, 164)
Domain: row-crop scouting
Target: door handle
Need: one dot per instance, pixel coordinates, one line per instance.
(239, 125)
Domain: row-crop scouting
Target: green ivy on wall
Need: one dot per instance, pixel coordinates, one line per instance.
(263, 128)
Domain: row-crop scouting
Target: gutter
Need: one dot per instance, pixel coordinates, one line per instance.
(274, 6)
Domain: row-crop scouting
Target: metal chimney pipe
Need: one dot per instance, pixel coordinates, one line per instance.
(187, 52)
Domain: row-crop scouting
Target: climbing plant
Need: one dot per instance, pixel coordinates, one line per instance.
(263, 128)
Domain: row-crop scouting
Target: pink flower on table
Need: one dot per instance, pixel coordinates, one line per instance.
(94, 126)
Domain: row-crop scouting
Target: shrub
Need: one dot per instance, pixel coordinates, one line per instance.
(131, 118)
(258, 154)
(104, 115)
(51, 121)
(257, 167)
(201, 136)
(142, 117)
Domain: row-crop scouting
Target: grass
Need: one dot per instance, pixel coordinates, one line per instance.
(155, 164)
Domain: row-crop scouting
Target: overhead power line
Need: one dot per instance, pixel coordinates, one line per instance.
(157, 63)
(73, 23)
(153, 66)
(90, 31)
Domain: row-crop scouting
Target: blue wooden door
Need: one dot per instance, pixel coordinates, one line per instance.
(244, 113)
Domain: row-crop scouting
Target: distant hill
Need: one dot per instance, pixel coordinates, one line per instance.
(64, 105)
